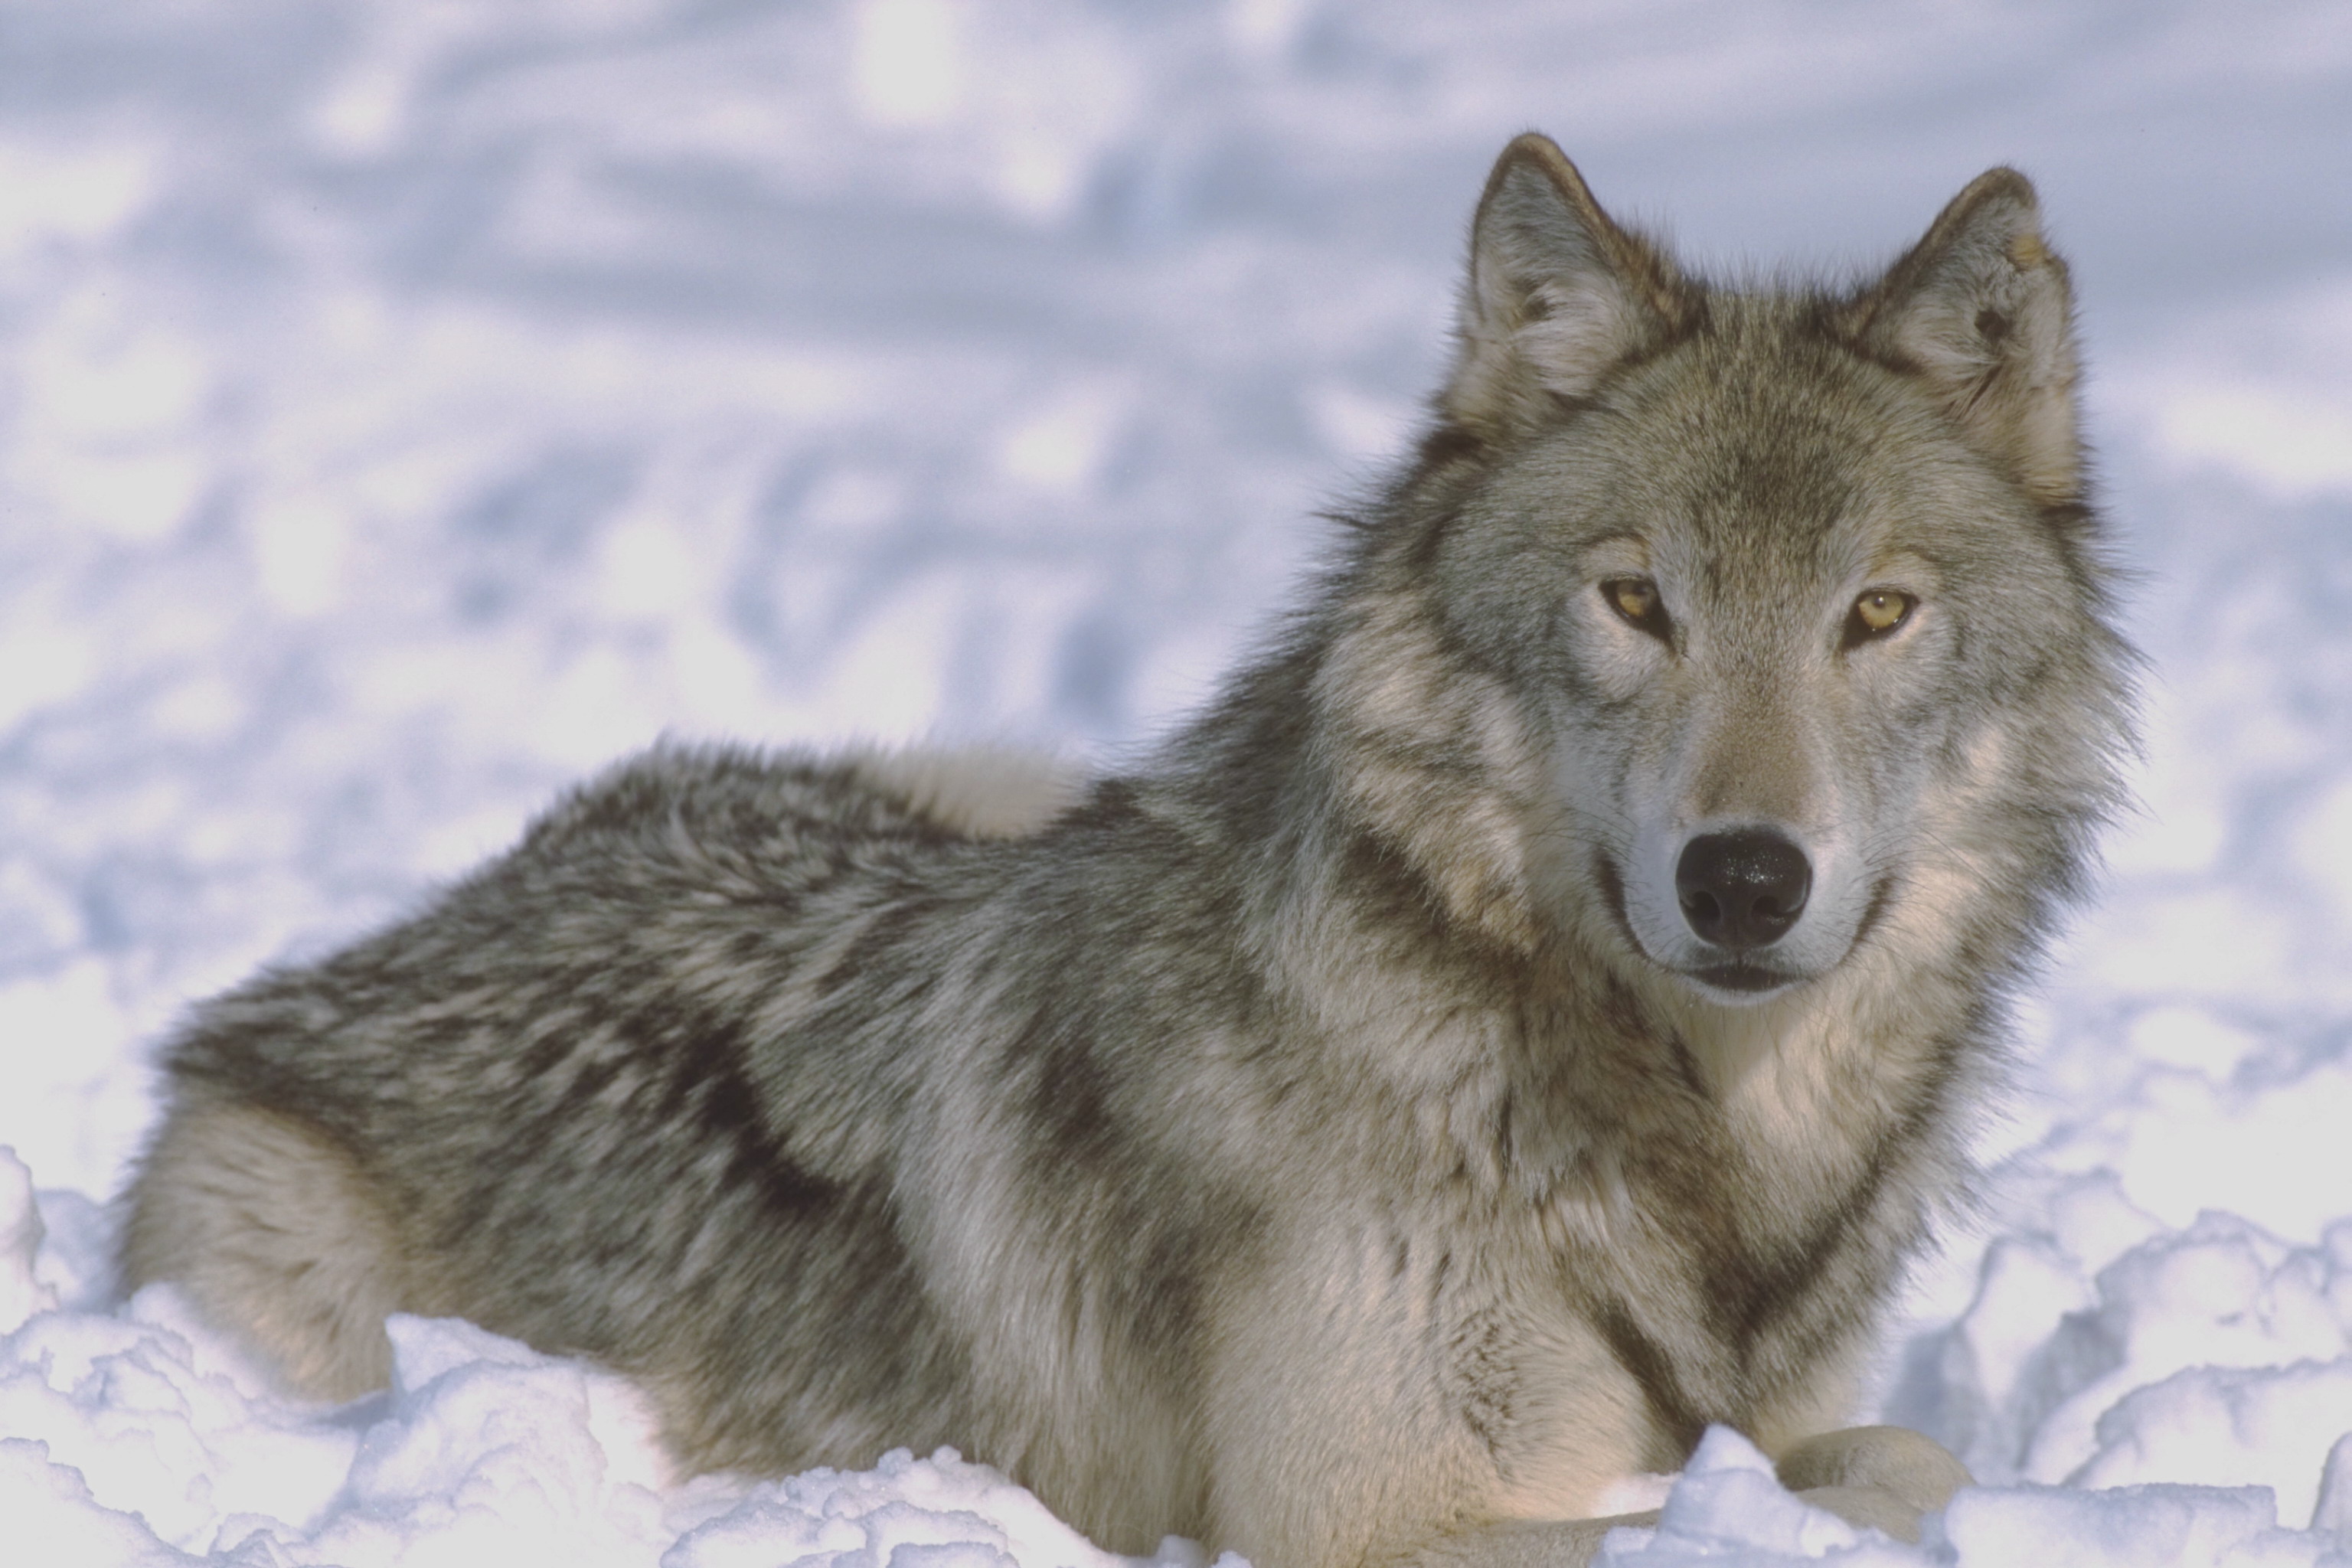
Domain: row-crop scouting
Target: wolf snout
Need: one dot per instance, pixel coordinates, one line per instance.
(1743, 888)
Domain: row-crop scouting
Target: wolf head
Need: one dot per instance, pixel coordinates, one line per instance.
(1743, 634)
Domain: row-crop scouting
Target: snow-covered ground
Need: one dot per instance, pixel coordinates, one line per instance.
(409, 405)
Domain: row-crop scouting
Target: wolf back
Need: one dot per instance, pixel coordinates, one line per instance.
(1533, 1014)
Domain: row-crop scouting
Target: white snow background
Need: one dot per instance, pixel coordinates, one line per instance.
(408, 405)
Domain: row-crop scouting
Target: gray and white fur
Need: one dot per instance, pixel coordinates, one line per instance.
(1534, 1014)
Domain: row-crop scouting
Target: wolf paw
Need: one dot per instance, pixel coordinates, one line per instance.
(1883, 1477)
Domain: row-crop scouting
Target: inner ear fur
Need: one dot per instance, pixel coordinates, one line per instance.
(1980, 310)
(1557, 294)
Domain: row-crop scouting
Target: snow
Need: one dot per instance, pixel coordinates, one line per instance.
(406, 408)
(157, 1443)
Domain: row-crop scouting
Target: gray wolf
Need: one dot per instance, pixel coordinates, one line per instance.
(1533, 1014)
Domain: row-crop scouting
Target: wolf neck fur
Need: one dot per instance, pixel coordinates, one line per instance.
(1386, 869)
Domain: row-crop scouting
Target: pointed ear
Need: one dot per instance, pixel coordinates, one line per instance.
(1557, 294)
(1981, 312)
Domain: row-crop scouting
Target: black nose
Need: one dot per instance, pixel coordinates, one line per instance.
(1742, 889)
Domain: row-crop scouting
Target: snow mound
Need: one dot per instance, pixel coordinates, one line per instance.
(161, 1443)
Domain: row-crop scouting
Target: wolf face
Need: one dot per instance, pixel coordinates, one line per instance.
(1772, 575)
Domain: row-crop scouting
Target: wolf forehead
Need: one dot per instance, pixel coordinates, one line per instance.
(1743, 444)
(1559, 302)
(1759, 435)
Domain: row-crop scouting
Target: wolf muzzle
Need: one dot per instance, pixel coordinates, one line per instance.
(1743, 889)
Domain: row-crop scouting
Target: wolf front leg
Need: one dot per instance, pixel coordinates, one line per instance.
(1886, 1476)
(1525, 1544)
(1882, 1478)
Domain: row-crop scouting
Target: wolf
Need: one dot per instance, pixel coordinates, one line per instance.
(1532, 1015)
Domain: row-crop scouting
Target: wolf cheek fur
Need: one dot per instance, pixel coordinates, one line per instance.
(1534, 1014)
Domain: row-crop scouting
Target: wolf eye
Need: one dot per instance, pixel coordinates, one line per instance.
(1877, 613)
(1636, 601)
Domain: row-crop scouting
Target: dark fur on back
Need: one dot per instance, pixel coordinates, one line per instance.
(1321, 1141)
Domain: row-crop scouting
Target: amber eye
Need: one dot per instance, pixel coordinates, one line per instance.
(1877, 613)
(1635, 600)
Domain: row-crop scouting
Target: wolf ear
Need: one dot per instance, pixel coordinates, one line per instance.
(1557, 294)
(1981, 312)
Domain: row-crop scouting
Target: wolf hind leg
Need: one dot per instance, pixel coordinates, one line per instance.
(269, 1226)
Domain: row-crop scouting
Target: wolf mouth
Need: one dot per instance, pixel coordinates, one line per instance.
(1740, 977)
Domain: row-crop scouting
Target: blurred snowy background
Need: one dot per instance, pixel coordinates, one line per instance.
(406, 405)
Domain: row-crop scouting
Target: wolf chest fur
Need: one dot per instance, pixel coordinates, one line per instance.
(1533, 1014)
